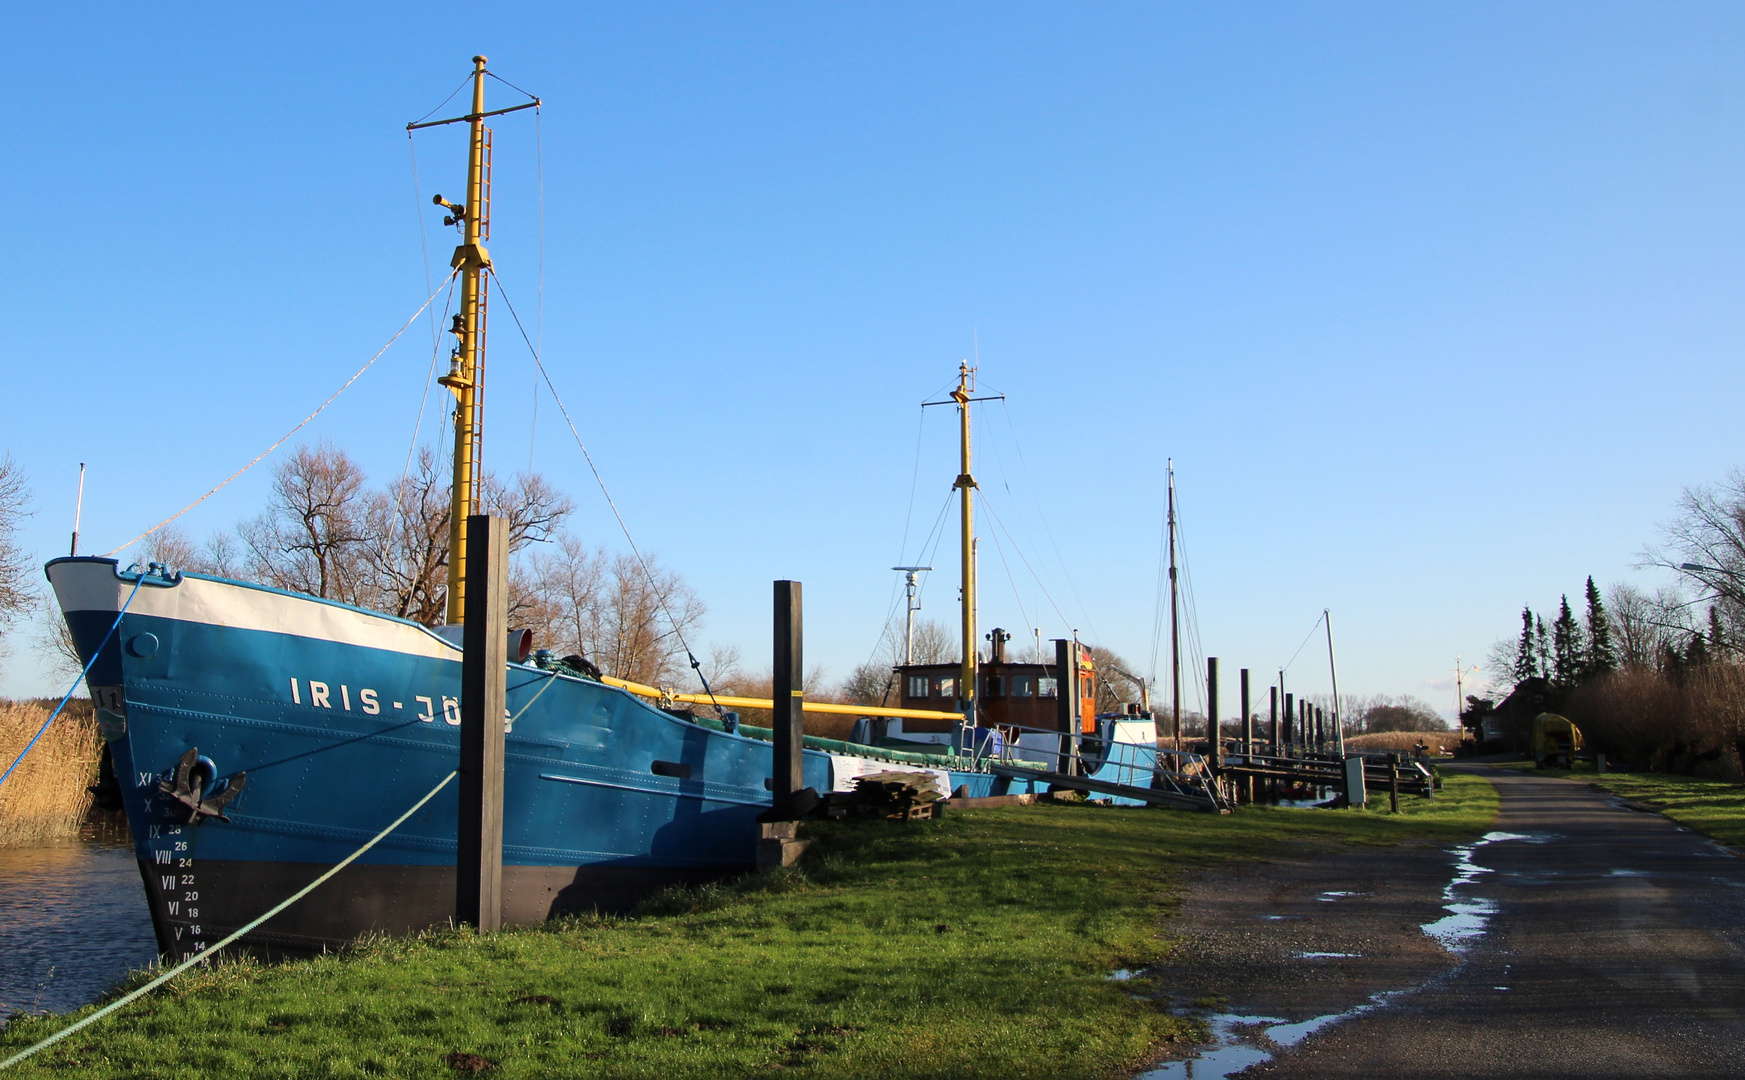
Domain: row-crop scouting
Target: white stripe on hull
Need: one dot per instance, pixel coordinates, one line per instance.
(95, 586)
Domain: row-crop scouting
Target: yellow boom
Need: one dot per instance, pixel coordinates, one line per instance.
(643, 690)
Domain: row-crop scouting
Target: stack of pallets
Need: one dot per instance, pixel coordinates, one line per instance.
(895, 796)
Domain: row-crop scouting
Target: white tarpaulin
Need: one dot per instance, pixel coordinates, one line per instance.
(843, 770)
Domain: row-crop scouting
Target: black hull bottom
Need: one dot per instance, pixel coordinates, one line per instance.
(192, 912)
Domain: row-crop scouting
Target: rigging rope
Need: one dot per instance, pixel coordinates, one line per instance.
(1048, 530)
(81, 677)
(205, 955)
(423, 240)
(300, 426)
(678, 632)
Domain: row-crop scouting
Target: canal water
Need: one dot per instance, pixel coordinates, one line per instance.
(73, 923)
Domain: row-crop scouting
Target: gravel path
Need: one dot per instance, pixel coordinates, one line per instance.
(1582, 939)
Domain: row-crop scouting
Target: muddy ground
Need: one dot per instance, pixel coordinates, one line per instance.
(1583, 939)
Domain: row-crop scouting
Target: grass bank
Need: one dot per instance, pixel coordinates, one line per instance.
(45, 798)
(1712, 807)
(975, 946)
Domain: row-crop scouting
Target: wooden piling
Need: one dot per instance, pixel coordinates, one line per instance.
(1394, 783)
(1290, 723)
(484, 678)
(1247, 733)
(1277, 747)
(788, 697)
(1213, 735)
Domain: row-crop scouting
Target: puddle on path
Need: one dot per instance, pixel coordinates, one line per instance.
(1328, 955)
(1239, 1041)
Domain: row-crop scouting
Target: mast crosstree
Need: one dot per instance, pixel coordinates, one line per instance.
(965, 485)
(466, 372)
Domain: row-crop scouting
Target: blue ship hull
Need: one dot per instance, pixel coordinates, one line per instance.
(344, 718)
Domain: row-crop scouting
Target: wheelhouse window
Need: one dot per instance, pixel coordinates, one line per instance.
(944, 686)
(996, 686)
(917, 686)
(1023, 686)
(1047, 687)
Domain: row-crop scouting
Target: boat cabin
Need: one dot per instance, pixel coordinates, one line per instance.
(1009, 692)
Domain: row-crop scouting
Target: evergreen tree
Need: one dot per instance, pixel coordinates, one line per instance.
(1542, 647)
(1600, 656)
(1696, 652)
(1717, 638)
(1566, 646)
(1527, 652)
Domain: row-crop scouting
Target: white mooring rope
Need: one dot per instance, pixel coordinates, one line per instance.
(197, 957)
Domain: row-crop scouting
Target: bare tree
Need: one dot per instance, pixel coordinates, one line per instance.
(628, 618)
(16, 579)
(311, 537)
(405, 548)
(1645, 625)
(173, 548)
(1705, 544)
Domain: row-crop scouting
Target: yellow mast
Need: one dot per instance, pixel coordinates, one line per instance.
(966, 692)
(466, 369)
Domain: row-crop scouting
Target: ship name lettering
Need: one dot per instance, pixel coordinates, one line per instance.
(451, 711)
(345, 697)
(368, 698)
(295, 698)
(318, 694)
(429, 713)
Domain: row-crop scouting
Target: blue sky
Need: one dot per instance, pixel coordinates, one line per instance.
(1435, 306)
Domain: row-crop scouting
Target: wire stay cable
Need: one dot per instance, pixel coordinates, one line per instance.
(86, 670)
(300, 425)
(647, 573)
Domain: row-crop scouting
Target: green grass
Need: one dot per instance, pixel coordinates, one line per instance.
(976, 946)
(1712, 807)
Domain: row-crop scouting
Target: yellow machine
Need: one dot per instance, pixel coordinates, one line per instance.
(1556, 740)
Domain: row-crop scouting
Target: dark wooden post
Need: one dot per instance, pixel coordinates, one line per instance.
(1247, 733)
(1290, 722)
(484, 675)
(1066, 703)
(789, 696)
(1394, 783)
(1212, 732)
(1272, 709)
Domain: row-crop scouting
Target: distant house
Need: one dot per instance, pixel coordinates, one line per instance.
(1509, 725)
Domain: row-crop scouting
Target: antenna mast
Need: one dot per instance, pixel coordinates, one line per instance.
(466, 371)
(1175, 649)
(78, 509)
(909, 573)
(467, 366)
(965, 484)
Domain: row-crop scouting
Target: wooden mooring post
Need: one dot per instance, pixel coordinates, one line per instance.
(1290, 740)
(1394, 783)
(483, 684)
(1247, 735)
(1212, 732)
(789, 696)
(1277, 747)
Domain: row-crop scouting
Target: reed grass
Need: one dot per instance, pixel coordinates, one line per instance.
(1441, 742)
(44, 799)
